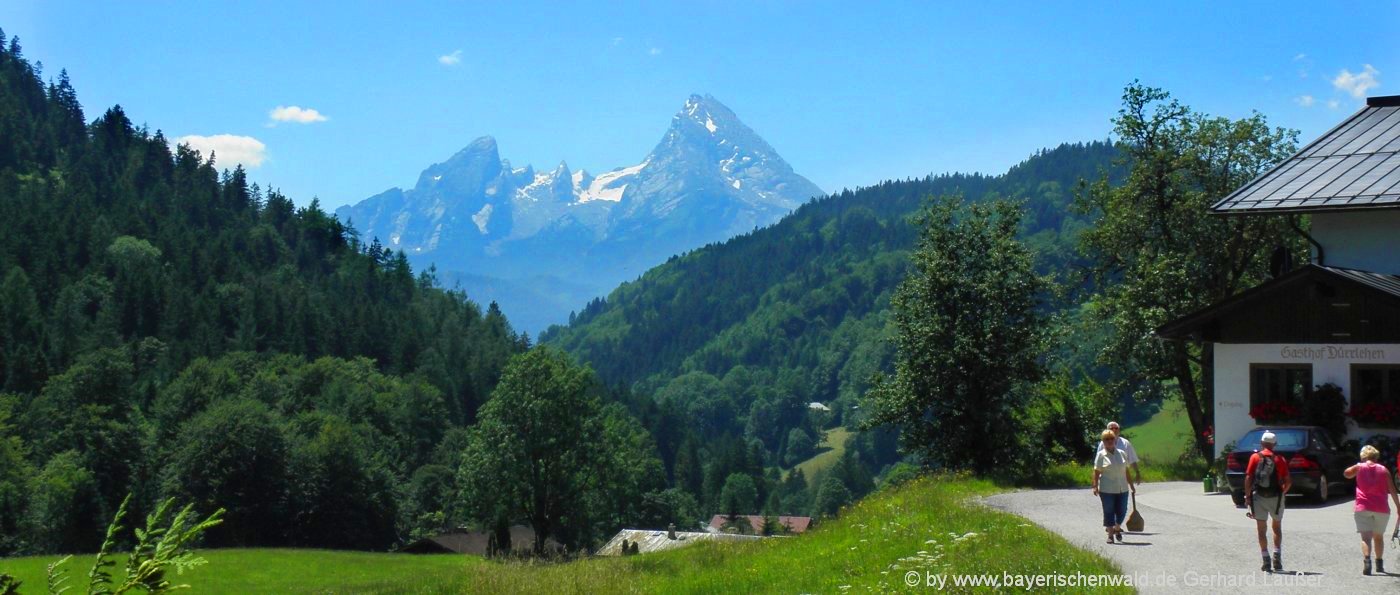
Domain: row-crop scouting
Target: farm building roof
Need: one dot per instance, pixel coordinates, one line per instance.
(1356, 165)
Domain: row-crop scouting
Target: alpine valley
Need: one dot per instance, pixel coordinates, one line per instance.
(542, 243)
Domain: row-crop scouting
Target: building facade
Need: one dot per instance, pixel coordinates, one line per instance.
(1334, 323)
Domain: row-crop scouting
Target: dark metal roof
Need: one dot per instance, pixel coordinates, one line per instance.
(1387, 283)
(1182, 326)
(1354, 166)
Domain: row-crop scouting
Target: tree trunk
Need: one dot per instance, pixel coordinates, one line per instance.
(1190, 397)
(542, 529)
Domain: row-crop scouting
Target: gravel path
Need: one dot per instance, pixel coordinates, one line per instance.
(1199, 542)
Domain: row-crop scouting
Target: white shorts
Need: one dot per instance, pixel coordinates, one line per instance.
(1268, 506)
(1371, 522)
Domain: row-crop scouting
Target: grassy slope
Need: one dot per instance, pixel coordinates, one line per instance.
(835, 445)
(871, 546)
(1164, 436)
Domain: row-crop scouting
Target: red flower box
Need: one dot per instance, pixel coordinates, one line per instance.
(1276, 412)
(1373, 415)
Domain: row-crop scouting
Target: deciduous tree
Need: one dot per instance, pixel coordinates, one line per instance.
(968, 335)
(1157, 252)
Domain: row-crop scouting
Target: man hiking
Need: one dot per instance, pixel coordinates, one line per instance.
(1126, 447)
(1266, 484)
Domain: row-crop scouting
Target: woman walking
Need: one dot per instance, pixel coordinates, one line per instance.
(1111, 485)
(1372, 510)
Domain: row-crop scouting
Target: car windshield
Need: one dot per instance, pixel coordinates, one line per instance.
(1287, 440)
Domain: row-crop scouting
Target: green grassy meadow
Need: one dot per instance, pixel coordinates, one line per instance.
(830, 452)
(279, 571)
(1164, 436)
(930, 524)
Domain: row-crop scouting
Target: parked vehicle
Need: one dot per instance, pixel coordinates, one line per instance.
(1314, 461)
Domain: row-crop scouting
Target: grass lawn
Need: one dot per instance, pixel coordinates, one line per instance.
(1164, 436)
(277, 571)
(928, 525)
(835, 447)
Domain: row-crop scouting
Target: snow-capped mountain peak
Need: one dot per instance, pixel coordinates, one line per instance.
(710, 177)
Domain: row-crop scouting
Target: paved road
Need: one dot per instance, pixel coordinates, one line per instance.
(1199, 538)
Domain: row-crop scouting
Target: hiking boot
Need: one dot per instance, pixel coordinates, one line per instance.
(1380, 566)
(1366, 567)
(1267, 568)
(1278, 562)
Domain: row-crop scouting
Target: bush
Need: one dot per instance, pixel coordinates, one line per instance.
(800, 447)
(1327, 409)
(899, 474)
(1057, 425)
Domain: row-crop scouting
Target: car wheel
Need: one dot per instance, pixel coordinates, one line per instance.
(1322, 492)
(1238, 497)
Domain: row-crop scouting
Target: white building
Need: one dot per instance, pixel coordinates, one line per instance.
(1335, 320)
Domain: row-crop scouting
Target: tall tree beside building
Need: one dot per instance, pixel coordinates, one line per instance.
(1157, 252)
(968, 338)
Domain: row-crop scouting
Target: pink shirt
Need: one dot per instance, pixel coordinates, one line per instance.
(1371, 488)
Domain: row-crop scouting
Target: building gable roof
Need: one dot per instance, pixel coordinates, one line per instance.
(1356, 165)
(461, 541)
(1311, 302)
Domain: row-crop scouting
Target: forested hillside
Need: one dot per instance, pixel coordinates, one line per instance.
(170, 330)
(738, 338)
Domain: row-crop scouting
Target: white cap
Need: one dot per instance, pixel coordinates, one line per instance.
(1268, 438)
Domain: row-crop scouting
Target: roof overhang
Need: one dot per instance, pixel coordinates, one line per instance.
(1190, 327)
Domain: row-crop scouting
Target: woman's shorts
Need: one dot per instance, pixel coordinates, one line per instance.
(1370, 522)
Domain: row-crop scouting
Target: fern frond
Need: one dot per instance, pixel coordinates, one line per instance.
(56, 575)
(99, 579)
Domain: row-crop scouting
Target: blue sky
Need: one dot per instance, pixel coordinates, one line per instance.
(849, 93)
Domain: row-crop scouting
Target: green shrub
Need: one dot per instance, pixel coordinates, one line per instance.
(1327, 409)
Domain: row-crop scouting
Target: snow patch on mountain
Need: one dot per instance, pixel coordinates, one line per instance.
(610, 186)
(482, 217)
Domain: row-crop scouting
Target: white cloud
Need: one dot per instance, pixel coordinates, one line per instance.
(1357, 84)
(1305, 100)
(1300, 56)
(1333, 103)
(228, 149)
(616, 41)
(654, 51)
(293, 113)
(451, 59)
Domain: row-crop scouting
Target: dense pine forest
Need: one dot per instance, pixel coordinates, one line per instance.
(169, 330)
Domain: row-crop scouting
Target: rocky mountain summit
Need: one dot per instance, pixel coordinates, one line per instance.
(541, 243)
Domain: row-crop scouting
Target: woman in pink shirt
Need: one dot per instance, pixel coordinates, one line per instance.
(1372, 510)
